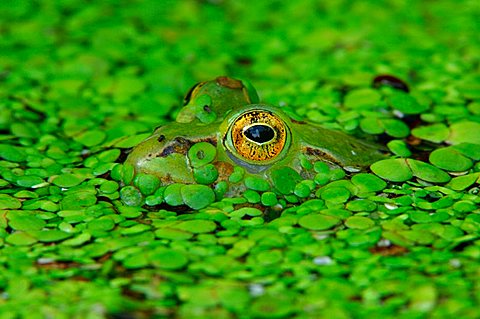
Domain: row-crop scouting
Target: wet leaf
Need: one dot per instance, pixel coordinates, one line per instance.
(395, 170)
(318, 221)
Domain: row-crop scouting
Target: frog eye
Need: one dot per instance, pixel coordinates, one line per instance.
(258, 136)
(192, 92)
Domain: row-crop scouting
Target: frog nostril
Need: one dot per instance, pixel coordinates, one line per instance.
(259, 133)
(207, 109)
(161, 138)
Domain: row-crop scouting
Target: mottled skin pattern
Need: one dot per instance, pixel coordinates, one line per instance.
(210, 110)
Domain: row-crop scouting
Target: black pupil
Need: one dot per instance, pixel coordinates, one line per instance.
(259, 133)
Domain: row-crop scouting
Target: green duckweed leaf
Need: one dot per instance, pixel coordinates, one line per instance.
(28, 130)
(131, 141)
(436, 133)
(68, 180)
(278, 306)
(372, 125)
(196, 226)
(12, 153)
(361, 205)
(395, 128)
(468, 149)
(368, 182)
(449, 159)
(172, 194)
(269, 199)
(168, 259)
(131, 196)
(460, 183)
(173, 234)
(109, 156)
(362, 98)
(336, 194)
(206, 174)
(359, 222)
(103, 224)
(248, 211)
(91, 138)
(29, 181)
(49, 236)
(147, 184)
(394, 170)
(21, 239)
(197, 196)
(201, 153)
(25, 222)
(464, 132)
(237, 175)
(256, 183)
(406, 103)
(318, 221)
(427, 172)
(251, 196)
(78, 240)
(9, 202)
(399, 148)
(464, 206)
(284, 179)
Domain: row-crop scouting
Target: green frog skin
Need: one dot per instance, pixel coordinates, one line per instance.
(222, 125)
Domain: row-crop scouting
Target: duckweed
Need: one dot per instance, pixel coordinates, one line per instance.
(449, 159)
(318, 221)
(201, 153)
(83, 236)
(206, 174)
(197, 196)
(394, 170)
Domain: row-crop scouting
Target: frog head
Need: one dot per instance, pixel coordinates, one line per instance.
(258, 139)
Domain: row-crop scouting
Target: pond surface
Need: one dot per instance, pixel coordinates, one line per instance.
(82, 84)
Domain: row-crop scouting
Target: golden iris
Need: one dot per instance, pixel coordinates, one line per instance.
(258, 135)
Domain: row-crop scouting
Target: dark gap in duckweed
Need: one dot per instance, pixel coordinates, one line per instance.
(271, 214)
(180, 209)
(390, 80)
(131, 315)
(244, 60)
(412, 121)
(342, 92)
(123, 155)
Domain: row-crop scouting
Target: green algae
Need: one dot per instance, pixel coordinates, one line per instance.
(81, 83)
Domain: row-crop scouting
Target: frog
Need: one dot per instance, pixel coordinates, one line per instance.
(223, 131)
